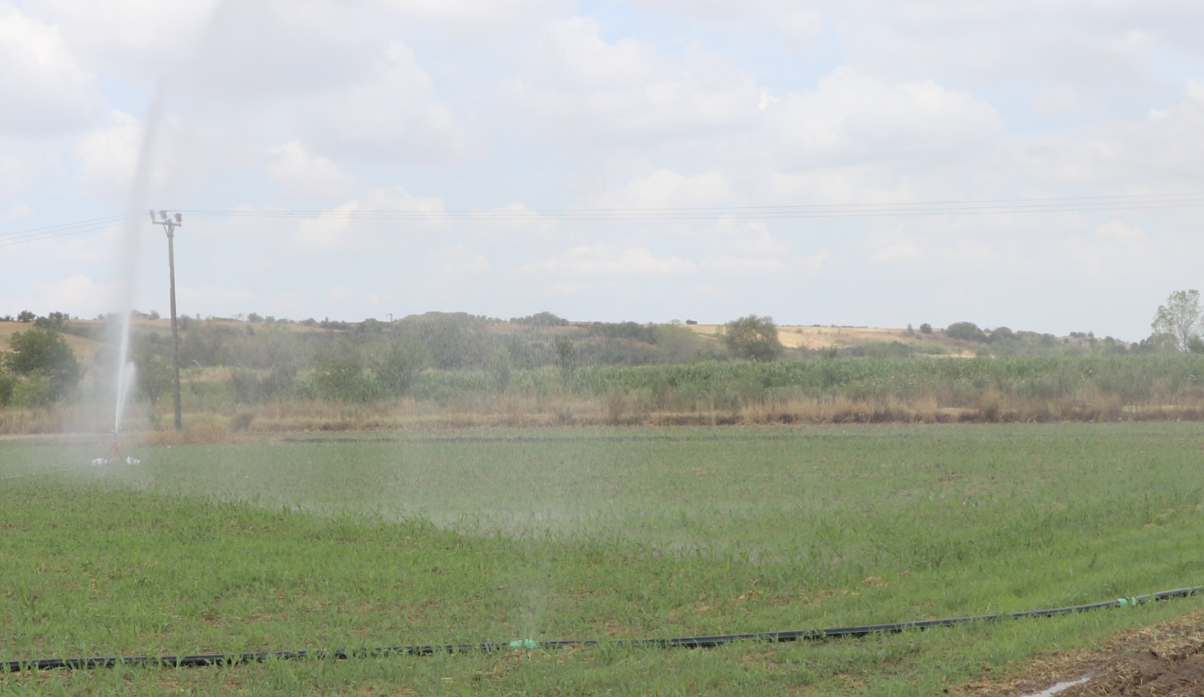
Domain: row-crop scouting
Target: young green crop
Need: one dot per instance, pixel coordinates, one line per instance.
(502, 535)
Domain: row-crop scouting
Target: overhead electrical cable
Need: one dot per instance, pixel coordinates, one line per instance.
(63, 230)
(780, 212)
(1080, 204)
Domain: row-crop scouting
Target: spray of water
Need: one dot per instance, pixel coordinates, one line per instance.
(127, 262)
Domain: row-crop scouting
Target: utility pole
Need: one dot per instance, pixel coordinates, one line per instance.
(170, 223)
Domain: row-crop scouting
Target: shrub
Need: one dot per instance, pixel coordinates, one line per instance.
(245, 386)
(153, 374)
(500, 366)
(752, 337)
(44, 352)
(8, 384)
(344, 381)
(1001, 334)
(925, 328)
(541, 319)
(280, 383)
(566, 354)
(54, 320)
(400, 366)
(965, 331)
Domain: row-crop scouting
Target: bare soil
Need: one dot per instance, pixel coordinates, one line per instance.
(1164, 660)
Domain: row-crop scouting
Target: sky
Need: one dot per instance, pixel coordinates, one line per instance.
(368, 127)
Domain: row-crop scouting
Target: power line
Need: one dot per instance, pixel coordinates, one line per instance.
(780, 212)
(63, 230)
(683, 214)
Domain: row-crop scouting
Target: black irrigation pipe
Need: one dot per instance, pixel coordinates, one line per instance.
(691, 642)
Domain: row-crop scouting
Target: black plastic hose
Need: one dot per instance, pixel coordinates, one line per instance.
(693, 642)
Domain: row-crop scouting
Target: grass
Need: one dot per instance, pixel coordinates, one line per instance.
(1018, 389)
(621, 533)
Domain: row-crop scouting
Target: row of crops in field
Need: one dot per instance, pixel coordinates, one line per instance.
(1131, 379)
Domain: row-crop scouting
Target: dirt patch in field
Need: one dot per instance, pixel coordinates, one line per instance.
(1165, 660)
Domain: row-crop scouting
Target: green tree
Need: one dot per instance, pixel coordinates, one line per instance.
(44, 352)
(8, 384)
(752, 337)
(500, 366)
(399, 368)
(1001, 334)
(566, 353)
(343, 380)
(153, 373)
(1179, 319)
(965, 331)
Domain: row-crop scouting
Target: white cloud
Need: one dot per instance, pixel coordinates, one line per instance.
(107, 157)
(395, 116)
(853, 118)
(327, 231)
(332, 229)
(134, 37)
(1114, 251)
(76, 295)
(339, 294)
(519, 105)
(477, 20)
(45, 89)
(600, 260)
(668, 189)
(815, 262)
(578, 88)
(1119, 231)
(17, 212)
(1159, 153)
(741, 265)
(458, 260)
(304, 177)
(1195, 91)
(1057, 101)
(969, 251)
(900, 252)
(559, 289)
(751, 239)
(209, 296)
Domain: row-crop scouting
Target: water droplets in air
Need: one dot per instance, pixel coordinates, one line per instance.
(127, 259)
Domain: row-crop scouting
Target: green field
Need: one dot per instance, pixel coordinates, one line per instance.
(592, 534)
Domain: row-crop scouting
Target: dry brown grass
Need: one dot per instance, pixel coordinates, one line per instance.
(617, 409)
(206, 430)
(845, 337)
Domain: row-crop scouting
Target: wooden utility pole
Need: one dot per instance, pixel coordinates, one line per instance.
(170, 223)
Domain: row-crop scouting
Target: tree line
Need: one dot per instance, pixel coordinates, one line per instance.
(369, 360)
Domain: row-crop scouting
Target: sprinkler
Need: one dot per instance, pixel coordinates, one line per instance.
(115, 455)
